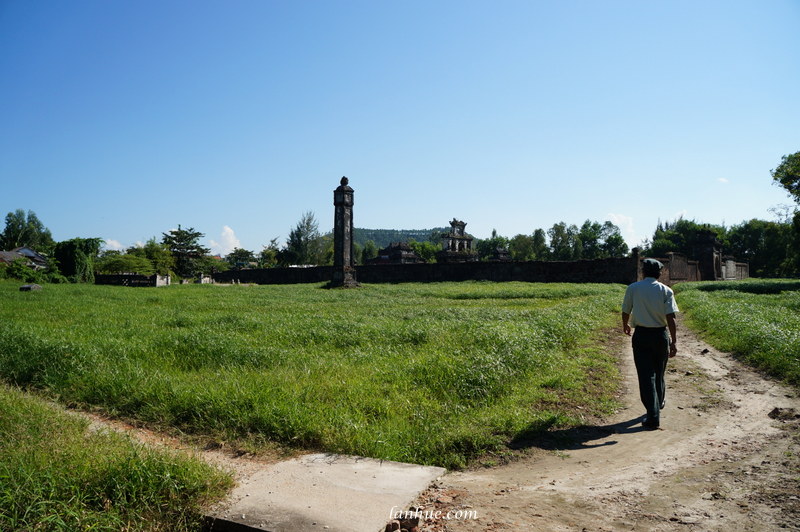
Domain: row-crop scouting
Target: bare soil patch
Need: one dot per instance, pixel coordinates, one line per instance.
(727, 458)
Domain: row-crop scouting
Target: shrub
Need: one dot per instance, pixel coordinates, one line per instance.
(19, 269)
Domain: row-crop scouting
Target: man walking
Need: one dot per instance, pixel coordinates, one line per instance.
(649, 307)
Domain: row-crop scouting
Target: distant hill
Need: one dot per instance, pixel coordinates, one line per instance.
(384, 237)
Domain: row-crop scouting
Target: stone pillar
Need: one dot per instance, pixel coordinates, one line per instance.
(638, 275)
(344, 272)
(708, 252)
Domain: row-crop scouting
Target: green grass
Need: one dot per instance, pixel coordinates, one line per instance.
(758, 320)
(425, 373)
(57, 475)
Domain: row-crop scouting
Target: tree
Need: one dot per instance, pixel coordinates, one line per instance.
(787, 174)
(268, 257)
(487, 248)
(564, 242)
(26, 230)
(795, 249)
(613, 245)
(304, 245)
(157, 253)
(521, 247)
(426, 250)
(369, 251)
(590, 240)
(540, 249)
(240, 258)
(767, 246)
(681, 236)
(529, 247)
(324, 250)
(184, 244)
(127, 263)
(76, 258)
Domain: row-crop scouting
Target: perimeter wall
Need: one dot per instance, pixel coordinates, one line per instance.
(624, 270)
(677, 268)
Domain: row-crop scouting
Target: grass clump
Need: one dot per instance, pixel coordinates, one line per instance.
(426, 373)
(758, 320)
(55, 474)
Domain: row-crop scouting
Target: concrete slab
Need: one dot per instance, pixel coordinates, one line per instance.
(323, 493)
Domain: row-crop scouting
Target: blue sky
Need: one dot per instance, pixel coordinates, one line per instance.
(122, 119)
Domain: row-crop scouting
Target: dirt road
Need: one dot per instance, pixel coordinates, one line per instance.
(725, 459)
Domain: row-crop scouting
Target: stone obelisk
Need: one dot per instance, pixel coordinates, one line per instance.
(344, 272)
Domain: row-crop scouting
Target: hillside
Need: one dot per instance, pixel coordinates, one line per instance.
(384, 237)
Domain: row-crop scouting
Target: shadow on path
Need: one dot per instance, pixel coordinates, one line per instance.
(581, 437)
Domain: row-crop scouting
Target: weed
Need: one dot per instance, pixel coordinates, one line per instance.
(425, 373)
(57, 475)
(758, 320)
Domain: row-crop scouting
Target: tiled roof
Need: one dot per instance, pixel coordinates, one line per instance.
(10, 256)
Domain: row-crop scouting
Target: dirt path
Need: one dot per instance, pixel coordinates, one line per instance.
(725, 459)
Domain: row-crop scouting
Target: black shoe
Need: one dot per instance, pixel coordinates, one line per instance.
(663, 404)
(650, 425)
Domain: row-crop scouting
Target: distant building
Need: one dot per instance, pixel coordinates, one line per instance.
(32, 258)
(500, 254)
(457, 245)
(397, 253)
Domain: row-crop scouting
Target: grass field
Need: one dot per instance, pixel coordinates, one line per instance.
(759, 320)
(425, 373)
(56, 475)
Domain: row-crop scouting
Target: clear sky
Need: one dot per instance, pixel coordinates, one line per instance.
(122, 119)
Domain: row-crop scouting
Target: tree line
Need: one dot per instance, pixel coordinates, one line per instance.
(771, 247)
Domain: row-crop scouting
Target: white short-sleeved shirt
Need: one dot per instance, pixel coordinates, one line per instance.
(648, 302)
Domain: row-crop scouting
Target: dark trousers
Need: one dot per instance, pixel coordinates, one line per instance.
(650, 353)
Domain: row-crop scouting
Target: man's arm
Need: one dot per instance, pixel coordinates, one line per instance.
(625, 327)
(673, 335)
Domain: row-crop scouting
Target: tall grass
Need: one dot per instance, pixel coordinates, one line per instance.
(426, 373)
(56, 475)
(756, 319)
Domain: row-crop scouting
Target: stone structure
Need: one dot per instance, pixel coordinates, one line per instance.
(708, 251)
(456, 245)
(712, 264)
(397, 253)
(30, 287)
(679, 268)
(344, 272)
(132, 279)
(500, 254)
